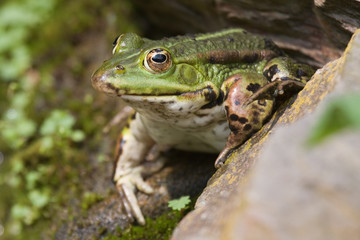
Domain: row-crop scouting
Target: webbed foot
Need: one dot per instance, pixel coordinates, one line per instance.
(128, 183)
(127, 186)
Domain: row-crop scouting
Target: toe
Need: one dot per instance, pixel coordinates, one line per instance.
(130, 202)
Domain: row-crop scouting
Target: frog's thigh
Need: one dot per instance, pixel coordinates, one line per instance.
(245, 119)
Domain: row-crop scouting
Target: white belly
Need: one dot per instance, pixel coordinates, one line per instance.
(211, 138)
(181, 124)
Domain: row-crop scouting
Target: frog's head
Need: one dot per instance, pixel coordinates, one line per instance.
(150, 70)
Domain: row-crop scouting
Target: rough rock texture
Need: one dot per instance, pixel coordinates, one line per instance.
(299, 193)
(292, 192)
(339, 19)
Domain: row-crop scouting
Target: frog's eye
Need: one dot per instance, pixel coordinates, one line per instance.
(157, 61)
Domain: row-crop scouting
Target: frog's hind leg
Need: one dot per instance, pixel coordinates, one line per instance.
(244, 118)
(133, 147)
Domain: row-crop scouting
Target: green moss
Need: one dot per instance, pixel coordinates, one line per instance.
(159, 228)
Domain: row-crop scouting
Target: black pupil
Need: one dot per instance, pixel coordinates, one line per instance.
(159, 58)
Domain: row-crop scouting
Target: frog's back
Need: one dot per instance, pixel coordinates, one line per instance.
(211, 47)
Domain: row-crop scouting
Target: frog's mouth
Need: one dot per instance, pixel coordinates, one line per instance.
(105, 82)
(207, 94)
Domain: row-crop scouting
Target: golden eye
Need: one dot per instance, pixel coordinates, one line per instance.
(158, 61)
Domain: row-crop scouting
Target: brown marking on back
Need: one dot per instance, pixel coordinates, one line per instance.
(236, 56)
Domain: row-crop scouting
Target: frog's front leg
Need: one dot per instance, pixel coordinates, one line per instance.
(133, 147)
(285, 76)
(284, 69)
(244, 118)
(251, 98)
(285, 79)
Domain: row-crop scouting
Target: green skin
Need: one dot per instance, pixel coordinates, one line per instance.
(204, 92)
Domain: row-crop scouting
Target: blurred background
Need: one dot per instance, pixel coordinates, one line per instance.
(51, 119)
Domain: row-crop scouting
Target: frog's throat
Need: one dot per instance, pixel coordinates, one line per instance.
(173, 107)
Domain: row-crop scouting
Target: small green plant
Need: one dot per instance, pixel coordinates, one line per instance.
(180, 203)
(342, 113)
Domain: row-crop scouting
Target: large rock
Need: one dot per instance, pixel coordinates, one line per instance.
(292, 191)
(338, 20)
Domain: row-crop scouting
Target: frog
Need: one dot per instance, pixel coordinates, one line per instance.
(206, 92)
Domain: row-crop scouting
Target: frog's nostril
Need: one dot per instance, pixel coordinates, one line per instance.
(120, 67)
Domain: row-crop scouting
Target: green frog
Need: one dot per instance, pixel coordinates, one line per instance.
(203, 92)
